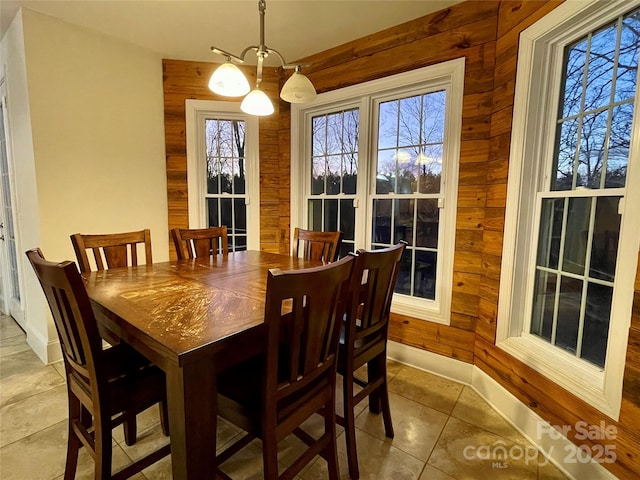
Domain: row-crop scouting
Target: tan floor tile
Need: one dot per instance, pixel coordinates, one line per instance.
(430, 473)
(473, 409)
(32, 382)
(13, 345)
(382, 461)
(19, 363)
(416, 427)
(465, 451)
(9, 328)
(32, 414)
(147, 441)
(426, 388)
(40, 456)
(160, 470)
(246, 464)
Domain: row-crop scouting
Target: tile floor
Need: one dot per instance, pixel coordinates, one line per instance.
(435, 421)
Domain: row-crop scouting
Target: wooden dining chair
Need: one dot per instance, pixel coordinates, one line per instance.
(201, 242)
(364, 340)
(324, 246)
(104, 387)
(271, 395)
(111, 249)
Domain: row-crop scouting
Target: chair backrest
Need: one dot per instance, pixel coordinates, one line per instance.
(73, 317)
(201, 242)
(113, 249)
(324, 246)
(302, 313)
(371, 288)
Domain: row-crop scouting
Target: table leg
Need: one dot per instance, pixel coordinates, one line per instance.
(191, 392)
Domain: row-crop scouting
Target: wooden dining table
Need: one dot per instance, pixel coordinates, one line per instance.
(192, 318)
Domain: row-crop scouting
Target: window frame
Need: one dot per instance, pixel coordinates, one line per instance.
(196, 112)
(447, 76)
(540, 57)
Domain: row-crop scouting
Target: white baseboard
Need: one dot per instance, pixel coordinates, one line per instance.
(558, 449)
(49, 351)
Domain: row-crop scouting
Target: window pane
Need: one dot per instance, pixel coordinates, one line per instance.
(568, 313)
(382, 222)
(226, 212)
(403, 221)
(410, 122)
(574, 73)
(619, 141)
(212, 212)
(315, 215)
(330, 215)
(433, 117)
(627, 73)
(550, 232)
(425, 275)
(543, 304)
(430, 169)
(386, 172)
(334, 133)
(600, 73)
(239, 176)
(334, 168)
(350, 173)
(239, 243)
(604, 249)
(319, 135)
(576, 235)
(318, 175)
(240, 216)
(347, 220)
(403, 282)
(226, 175)
(596, 323)
(427, 227)
(592, 149)
(388, 125)
(566, 147)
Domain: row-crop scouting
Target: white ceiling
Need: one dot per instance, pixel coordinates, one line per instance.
(186, 29)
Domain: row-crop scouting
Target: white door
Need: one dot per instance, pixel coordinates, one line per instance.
(9, 279)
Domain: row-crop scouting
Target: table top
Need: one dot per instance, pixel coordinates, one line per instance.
(181, 308)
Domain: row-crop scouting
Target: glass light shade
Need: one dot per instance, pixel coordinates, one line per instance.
(298, 89)
(229, 81)
(257, 103)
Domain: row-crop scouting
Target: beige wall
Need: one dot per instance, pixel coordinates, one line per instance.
(96, 121)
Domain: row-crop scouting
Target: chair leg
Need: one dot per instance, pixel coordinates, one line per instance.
(331, 451)
(73, 442)
(270, 455)
(130, 427)
(103, 449)
(373, 372)
(164, 417)
(384, 397)
(350, 425)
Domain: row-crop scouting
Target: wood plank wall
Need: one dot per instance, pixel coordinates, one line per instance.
(188, 80)
(486, 34)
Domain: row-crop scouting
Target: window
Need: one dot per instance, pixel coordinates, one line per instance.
(223, 171)
(379, 162)
(566, 311)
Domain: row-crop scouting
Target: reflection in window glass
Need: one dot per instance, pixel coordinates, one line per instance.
(226, 178)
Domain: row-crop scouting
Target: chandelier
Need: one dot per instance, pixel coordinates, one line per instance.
(228, 80)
